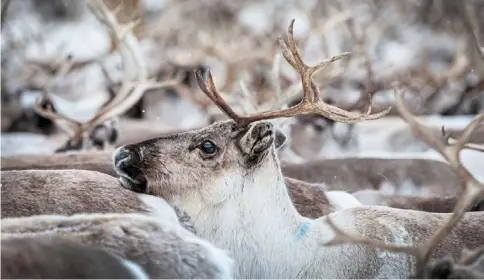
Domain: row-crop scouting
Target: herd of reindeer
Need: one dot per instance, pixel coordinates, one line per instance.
(216, 202)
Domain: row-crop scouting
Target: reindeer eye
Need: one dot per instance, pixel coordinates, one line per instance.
(319, 127)
(208, 147)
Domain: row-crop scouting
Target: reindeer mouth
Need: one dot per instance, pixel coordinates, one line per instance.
(133, 185)
(130, 176)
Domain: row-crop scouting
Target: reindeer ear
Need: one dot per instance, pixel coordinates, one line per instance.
(280, 138)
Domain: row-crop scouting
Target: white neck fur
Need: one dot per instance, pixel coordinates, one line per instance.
(267, 237)
(259, 226)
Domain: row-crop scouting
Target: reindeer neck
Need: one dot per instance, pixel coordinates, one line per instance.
(257, 225)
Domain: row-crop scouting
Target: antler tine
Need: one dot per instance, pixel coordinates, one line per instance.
(417, 127)
(469, 146)
(211, 91)
(51, 115)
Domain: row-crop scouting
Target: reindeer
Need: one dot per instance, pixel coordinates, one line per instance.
(438, 204)
(31, 192)
(32, 257)
(88, 160)
(311, 200)
(420, 177)
(228, 173)
(161, 247)
(470, 266)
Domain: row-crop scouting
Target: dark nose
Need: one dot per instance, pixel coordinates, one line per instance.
(123, 156)
(262, 129)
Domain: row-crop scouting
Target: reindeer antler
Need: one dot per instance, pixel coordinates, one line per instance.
(311, 102)
(472, 188)
(130, 91)
(469, 146)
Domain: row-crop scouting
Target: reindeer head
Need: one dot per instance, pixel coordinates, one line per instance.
(193, 162)
(216, 162)
(104, 135)
(314, 136)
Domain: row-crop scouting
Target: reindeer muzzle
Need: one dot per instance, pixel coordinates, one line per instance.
(127, 162)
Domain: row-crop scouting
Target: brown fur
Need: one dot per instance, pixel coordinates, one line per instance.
(354, 174)
(46, 258)
(437, 204)
(64, 192)
(310, 201)
(379, 223)
(162, 249)
(95, 161)
(349, 174)
(68, 192)
(468, 234)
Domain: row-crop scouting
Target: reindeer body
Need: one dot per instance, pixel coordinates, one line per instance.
(419, 177)
(269, 239)
(161, 247)
(409, 176)
(438, 204)
(228, 178)
(311, 200)
(68, 192)
(95, 161)
(406, 176)
(32, 257)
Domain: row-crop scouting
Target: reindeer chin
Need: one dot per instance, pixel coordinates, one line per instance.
(128, 183)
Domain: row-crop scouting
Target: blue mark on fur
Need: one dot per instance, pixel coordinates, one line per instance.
(303, 229)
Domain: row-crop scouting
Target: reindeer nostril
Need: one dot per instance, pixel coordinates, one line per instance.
(122, 155)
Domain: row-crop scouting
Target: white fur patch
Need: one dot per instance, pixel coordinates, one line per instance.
(369, 197)
(159, 208)
(342, 200)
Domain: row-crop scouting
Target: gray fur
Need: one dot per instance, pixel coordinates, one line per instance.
(60, 258)
(163, 249)
(69, 192)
